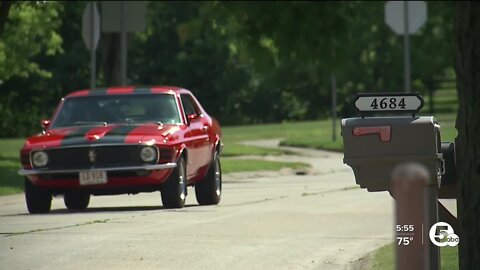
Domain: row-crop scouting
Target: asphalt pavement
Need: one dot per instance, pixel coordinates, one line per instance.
(321, 220)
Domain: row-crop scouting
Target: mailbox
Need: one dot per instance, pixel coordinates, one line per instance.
(374, 146)
(450, 175)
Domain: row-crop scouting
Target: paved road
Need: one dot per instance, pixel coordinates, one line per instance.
(275, 221)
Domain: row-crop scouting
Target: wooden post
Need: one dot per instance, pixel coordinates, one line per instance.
(431, 217)
(415, 210)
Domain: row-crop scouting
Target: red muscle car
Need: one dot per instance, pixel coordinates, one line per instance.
(124, 140)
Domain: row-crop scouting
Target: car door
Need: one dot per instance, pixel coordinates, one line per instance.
(198, 142)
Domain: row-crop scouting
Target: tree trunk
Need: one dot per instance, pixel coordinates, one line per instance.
(4, 10)
(467, 39)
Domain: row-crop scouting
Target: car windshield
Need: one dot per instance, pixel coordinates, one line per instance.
(107, 109)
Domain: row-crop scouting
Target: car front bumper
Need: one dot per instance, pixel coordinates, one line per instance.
(152, 167)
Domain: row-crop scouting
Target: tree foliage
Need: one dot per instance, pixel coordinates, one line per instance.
(29, 40)
(248, 62)
(180, 47)
(29, 31)
(299, 44)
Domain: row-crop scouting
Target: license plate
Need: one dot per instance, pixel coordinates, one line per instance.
(93, 177)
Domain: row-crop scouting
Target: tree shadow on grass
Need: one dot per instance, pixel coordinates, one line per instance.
(10, 181)
(14, 160)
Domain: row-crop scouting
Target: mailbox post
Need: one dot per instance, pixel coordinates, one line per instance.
(374, 146)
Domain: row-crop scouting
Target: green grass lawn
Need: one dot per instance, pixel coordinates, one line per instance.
(10, 181)
(445, 106)
(241, 165)
(315, 134)
(235, 149)
(384, 258)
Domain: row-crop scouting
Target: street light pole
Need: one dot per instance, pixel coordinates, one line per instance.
(123, 46)
(406, 52)
(92, 47)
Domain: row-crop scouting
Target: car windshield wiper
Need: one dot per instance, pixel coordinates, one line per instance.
(90, 123)
(138, 122)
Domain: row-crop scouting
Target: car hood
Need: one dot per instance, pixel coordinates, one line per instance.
(111, 134)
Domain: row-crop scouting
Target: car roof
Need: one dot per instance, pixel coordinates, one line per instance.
(124, 90)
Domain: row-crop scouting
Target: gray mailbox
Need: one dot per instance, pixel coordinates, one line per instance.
(373, 146)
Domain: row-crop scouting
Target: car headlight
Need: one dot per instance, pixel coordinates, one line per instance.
(39, 159)
(148, 154)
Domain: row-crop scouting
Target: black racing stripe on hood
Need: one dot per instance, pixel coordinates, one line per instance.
(117, 134)
(98, 92)
(142, 90)
(76, 137)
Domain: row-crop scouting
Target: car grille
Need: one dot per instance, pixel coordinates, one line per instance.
(99, 156)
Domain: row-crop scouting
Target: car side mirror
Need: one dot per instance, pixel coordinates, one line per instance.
(45, 124)
(191, 117)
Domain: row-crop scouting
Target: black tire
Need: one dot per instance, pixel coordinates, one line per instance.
(209, 189)
(39, 200)
(174, 190)
(76, 200)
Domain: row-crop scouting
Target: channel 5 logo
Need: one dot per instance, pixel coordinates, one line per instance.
(442, 235)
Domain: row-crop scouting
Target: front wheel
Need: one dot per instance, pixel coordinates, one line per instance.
(76, 200)
(209, 189)
(174, 190)
(39, 200)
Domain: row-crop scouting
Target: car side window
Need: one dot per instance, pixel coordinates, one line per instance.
(188, 107)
